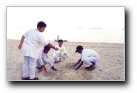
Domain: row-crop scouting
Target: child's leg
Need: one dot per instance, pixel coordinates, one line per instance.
(39, 67)
(56, 57)
(38, 64)
(32, 66)
(50, 63)
(46, 60)
(92, 67)
(67, 54)
(64, 54)
(25, 67)
(88, 61)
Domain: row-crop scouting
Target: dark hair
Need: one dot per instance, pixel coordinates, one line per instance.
(60, 40)
(79, 48)
(47, 47)
(41, 24)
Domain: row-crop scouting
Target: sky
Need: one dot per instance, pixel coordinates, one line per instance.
(69, 23)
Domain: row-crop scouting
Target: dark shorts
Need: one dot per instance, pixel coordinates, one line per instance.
(94, 63)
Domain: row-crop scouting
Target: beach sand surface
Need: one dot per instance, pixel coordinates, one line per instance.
(111, 65)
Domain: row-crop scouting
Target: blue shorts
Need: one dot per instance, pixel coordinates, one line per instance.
(94, 63)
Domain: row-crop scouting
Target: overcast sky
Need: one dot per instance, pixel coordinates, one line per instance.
(63, 21)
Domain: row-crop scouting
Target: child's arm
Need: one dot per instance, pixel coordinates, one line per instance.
(40, 58)
(79, 65)
(21, 42)
(45, 42)
(51, 46)
(22, 39)
(77, 62)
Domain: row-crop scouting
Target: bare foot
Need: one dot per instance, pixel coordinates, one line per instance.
(92, 67)
(53, 68)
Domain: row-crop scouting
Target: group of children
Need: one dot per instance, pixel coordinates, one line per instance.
(35, 58)
(43, 57)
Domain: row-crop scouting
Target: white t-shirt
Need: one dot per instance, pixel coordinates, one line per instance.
(42, 55)
(61, 49)
(88, 53)
(33, 39)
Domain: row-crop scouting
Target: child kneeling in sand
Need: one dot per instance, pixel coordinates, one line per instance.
(59, 54)
(43, 59)
(88, 56)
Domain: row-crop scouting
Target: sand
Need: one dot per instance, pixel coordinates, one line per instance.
(111, 65)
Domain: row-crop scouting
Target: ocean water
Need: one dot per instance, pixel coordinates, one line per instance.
(78, 35)
(99, 35)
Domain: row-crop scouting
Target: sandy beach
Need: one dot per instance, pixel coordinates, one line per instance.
(111, 65)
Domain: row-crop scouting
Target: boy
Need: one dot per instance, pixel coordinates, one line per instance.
(88, 56)
(43, 59)
(57, 55)
(30, 50)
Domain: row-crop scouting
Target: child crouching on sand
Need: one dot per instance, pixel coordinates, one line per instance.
(43, 59)
(59, 54)
(88, 56)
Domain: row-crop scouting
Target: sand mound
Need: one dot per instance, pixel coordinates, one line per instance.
(70, 75)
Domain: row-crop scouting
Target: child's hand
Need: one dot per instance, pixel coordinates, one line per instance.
(72, 66)
(44, 68)
(56, 48)
(20, 45)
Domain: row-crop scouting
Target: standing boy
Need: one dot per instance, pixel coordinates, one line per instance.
(88, 56)
(43, 59)
(57, 55)
(30, 50)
